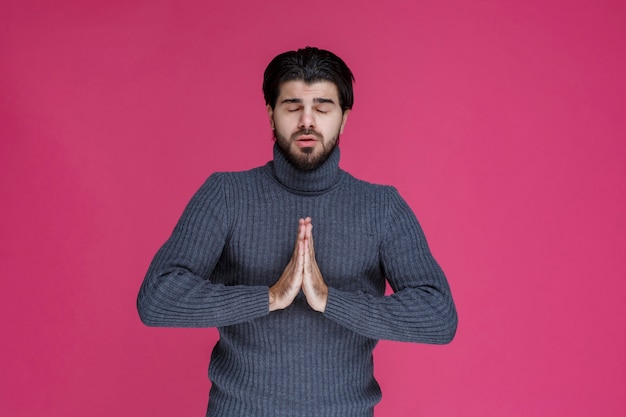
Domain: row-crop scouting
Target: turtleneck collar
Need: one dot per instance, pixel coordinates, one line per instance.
(319, 179)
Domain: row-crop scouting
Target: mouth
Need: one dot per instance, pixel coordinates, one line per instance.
(306, 140)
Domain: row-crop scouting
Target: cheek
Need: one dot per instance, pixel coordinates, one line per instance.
(333, 128)
(285, 123)
(281, 130)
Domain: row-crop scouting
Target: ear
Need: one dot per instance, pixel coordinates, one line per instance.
(344, 119)
(270, 114)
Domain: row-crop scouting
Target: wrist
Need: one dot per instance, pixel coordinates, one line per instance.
(272, 300)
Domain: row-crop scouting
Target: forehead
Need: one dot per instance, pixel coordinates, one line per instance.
(298, 89)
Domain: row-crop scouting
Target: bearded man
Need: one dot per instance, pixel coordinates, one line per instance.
(298, 319)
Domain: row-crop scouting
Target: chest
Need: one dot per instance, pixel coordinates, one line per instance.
(346, 236)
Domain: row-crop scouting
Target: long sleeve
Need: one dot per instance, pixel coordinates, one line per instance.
(177, 290)
(421, 308)
(233, 242)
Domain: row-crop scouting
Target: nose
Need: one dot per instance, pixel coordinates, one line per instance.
(307, 121)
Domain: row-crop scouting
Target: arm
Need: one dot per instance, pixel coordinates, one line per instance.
(421, 308)
(177, 291)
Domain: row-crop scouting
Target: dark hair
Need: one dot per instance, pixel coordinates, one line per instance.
(309, 65)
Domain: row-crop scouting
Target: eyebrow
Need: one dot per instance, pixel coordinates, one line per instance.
(300, 101)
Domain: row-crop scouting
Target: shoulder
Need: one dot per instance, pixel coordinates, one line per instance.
(383, 199)
(382, 191)
(232, 178)
(221, 190)
(231, 187)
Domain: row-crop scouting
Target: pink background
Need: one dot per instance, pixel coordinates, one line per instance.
(502, 123)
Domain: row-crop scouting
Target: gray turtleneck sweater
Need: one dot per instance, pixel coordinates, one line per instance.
(233, 242)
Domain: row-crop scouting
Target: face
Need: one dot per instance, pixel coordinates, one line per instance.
(307, 121)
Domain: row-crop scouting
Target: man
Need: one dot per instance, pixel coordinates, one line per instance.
(298, 317)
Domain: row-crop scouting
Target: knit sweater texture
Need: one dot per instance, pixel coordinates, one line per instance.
(233, 242)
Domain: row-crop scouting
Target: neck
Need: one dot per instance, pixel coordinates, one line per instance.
(315, 180)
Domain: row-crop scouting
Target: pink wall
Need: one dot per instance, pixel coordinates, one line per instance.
(502, 124)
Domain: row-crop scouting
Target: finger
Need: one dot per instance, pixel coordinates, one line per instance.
(306, 258)
(302, 259)
(299, 236)
(309, 238)
(301, 229)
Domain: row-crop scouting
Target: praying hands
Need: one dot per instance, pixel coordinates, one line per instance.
(301, 273)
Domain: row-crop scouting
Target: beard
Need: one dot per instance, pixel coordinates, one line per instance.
(306, 159)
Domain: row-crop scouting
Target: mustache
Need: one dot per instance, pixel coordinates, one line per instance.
(307, 131)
